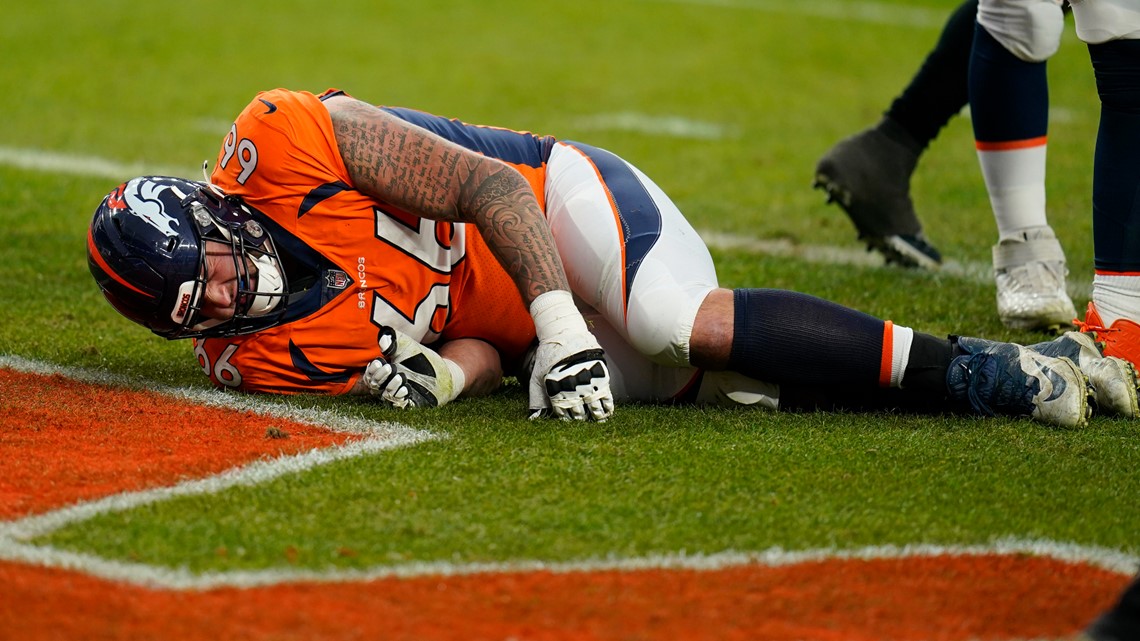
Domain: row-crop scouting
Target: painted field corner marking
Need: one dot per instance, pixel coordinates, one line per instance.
(371, 436)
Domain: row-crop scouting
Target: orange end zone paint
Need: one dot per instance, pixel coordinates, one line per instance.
(64, 441)
(912, 599)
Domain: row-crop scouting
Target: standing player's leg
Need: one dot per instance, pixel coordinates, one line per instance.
(1009, 104)
(1112, 29)
(868, 174)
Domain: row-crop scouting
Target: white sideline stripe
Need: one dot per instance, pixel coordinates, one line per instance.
(180, 578)
(869, 12)
(669, 126)
(52, 162)
(970, 271)
(831, 255)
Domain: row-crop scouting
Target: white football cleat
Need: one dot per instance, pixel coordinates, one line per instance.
(1113, 379)
(1030, 275)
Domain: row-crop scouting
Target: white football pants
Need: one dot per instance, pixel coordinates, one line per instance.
(639, 273)
(1031, 29)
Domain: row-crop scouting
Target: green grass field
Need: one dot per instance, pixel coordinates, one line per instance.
(116, 88)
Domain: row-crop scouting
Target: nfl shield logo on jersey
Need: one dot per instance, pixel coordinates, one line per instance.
(336, 279)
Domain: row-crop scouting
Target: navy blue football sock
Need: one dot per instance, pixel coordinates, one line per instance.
(793, 338)
(1116, 171)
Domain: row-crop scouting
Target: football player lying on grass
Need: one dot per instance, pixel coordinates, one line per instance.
(337, 245)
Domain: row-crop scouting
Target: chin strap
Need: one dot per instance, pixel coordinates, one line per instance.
(270, 286)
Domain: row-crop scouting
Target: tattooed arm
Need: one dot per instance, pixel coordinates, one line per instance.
(399, 163)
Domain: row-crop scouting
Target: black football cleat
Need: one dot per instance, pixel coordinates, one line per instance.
(868, 176)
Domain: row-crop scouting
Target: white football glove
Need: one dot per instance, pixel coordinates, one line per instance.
(569, 375)
(411, 375)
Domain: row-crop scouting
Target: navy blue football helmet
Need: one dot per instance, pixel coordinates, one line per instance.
(146, 248)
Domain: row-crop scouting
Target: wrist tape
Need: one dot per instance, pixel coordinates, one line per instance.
(554, 313)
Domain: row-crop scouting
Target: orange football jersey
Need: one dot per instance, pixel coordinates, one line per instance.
(362, 263)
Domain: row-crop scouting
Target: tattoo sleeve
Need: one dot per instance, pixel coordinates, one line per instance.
(401, 164)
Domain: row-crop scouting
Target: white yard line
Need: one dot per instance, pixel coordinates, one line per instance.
(180, 578)
(93, 166)
(832, 255)
(665, 126)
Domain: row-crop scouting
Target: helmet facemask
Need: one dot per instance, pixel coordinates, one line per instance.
(262, 288)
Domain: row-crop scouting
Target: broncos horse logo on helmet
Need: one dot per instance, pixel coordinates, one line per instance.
(146, 248)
